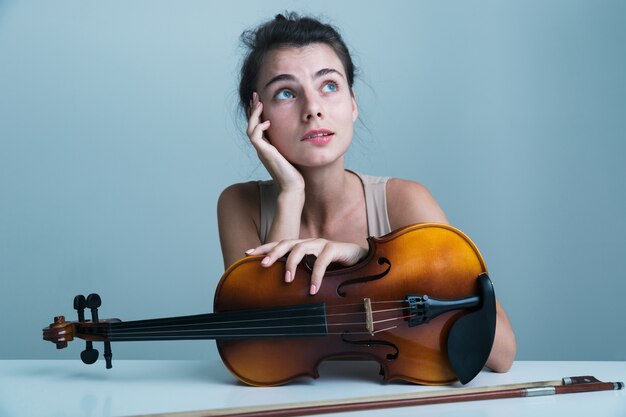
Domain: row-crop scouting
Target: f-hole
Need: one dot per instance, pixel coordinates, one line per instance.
(373, 342)
(380, 261)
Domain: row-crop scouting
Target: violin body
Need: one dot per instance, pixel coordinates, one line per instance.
(433, 259)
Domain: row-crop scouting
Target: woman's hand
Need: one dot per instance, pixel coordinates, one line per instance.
(326, 252)
(286, 175)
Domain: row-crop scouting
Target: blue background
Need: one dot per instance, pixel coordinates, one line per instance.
(119, 129)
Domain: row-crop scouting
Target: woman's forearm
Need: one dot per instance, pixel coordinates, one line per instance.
(505, 344)
(286, 223)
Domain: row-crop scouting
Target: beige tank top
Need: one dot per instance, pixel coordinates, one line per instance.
(375, 192)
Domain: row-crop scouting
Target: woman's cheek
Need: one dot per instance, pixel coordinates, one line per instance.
(276, 122)
(273, 132)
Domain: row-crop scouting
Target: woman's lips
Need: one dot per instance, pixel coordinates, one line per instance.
(319, 140)
(318, 136)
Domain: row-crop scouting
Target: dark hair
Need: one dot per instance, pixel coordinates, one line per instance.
(290, 30)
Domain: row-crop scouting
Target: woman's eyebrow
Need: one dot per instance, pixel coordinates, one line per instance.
(281, 77)
(326, 71)
(289, 77)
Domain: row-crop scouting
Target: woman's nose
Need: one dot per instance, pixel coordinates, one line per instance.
(312, 109)
(311, 115)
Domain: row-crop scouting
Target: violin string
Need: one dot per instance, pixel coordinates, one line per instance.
(163, 334)
(372, 301)
(123, 326)
(394, 318)
(130, 325)
(135, 331)
(160, 337)
(340, 306)
(149, 330)
(384, 330)
(120, 329)
(242, 335)
(389, 309)
(362, 312)
(117, 329)
(226, 336)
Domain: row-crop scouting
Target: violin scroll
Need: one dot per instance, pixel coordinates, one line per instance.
(60, 332)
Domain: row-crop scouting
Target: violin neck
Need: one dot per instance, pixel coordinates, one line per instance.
(276, 322)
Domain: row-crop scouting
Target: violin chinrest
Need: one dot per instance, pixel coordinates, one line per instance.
(471, 337)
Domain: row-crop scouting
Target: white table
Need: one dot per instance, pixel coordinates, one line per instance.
(133, 387)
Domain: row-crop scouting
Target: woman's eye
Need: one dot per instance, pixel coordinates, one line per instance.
(284, 95)
(329, 87)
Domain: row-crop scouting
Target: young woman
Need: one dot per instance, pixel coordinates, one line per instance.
(296, 89)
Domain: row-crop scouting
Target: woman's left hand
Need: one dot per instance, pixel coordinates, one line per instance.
(326, 252)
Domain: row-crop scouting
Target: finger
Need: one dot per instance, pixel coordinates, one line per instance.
(255, 111)
(319, 269)
(249, 108)
(252, 104)
(281, 249)
(261, 249)
(298, 252)
(255, 117)
(256, 137)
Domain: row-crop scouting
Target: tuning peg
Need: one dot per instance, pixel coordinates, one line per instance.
(93, 302)
(89, 355)
(108, 355)
(80, 302)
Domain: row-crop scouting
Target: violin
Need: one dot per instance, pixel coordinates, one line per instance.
(421, 304)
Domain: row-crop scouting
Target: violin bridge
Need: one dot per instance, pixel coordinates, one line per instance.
(369, 318)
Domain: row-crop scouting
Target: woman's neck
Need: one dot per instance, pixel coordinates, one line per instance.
(331, 193)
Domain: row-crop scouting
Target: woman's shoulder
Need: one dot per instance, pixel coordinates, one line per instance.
(241, 189)
(240, 196)
(402, 188)
(410, 202)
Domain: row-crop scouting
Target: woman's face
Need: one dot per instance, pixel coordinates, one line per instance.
(306, 97)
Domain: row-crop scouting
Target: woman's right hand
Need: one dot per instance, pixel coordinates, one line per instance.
(282, 171)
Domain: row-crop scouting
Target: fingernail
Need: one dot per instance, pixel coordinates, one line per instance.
(249, 251)
(265, 260)
(288, 276)
(313, 289)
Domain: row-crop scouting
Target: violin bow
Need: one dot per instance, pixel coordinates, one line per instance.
(569, 385)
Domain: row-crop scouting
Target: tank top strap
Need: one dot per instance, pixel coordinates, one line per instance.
(268, 195)
(375, 190)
